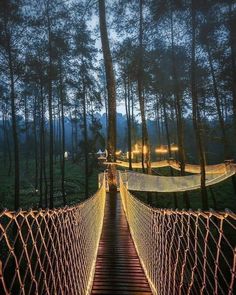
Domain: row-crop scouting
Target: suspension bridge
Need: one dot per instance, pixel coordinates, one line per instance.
(115, 244)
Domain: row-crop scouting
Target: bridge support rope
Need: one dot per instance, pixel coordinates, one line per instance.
(183, 252)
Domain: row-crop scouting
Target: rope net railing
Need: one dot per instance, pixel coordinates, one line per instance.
(51, 251)
(138, 165)
(101, 179)
(183, 252)
(190, 168)
(209, 169)
(154, 183)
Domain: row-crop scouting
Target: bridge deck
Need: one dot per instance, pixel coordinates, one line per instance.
(118, 269)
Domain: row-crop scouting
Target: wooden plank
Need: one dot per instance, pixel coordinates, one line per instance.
(119, 292)
(118, 269)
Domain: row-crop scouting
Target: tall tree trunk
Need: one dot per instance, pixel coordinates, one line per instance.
(76, 135)
(145, 140)
(59, 127)
(180, 132)
(106, 107)
(4, 138)
(133, 130)
(27, 150)
(13, 115)
(128, 120)
(111, 91)
(86, 167)
(51, 133)
(196, 112)
(72, 138)
(169, 147)
(178, 108)
(44, 160)
(41, 130)
(7, 142)
(232, 36)
(157, 121)
(62, 140)
(129, 127)
(162, 125)
(35, 145)
(55, 133)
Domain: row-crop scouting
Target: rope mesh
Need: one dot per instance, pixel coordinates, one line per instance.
(153, 183)
(183, 252)
(51, 251)
(210, 169)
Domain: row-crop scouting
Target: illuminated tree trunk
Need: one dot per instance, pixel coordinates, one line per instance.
(111, 92)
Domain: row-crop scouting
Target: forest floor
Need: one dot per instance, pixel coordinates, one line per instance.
(29, 198)
(220, 196)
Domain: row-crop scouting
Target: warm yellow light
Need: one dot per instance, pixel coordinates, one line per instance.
(144, 149)
(174, 148)
(132, 155)
(136, 150)
(118, 152)
(161, 150)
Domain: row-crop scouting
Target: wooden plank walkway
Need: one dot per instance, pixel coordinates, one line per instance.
(118, 269)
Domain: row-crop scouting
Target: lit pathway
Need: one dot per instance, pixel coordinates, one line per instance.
(118, 269)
